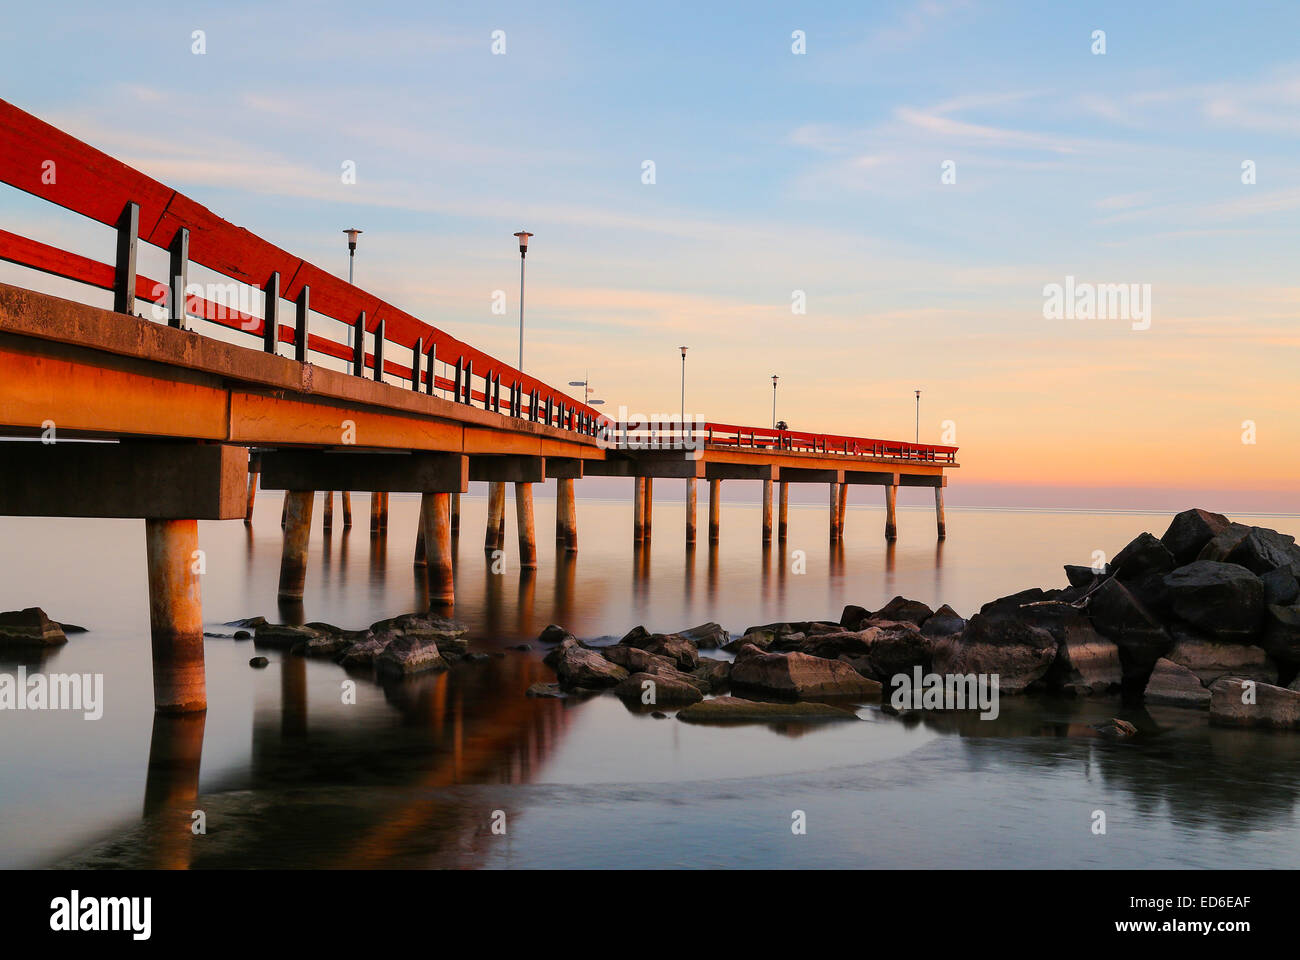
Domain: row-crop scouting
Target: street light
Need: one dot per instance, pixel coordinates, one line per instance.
(683, 420)
(918, 416)
(775, 378)
(523, 236)
(586, 392)
(352, 234)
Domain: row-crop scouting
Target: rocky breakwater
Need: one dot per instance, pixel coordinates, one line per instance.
(397, 647)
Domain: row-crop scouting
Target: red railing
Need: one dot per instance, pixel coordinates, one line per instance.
(671, 435)
(48, 163)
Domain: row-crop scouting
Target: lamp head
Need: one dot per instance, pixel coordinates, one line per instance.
(352, 233)
(523, 236)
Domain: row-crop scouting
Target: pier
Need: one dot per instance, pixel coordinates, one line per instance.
(201, 424)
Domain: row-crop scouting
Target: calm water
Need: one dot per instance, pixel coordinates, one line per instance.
(413, 774)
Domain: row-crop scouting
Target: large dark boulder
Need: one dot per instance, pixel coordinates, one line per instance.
(1190, 531)
(1211, 659)
(761, 637)
(1145, 554)
(676, 648)
(903, 609)
(1224, 600)
(1280, 586)
(1120, 616)
(797, 676)
(634, 659)
(1262, 550)
(362, 654)
(651, 690)
(898, 648)
(553, 633)
(707, 636)
(853, 615)
(1220, 546)
(997, 642)
(832, 645)
(712, 676)
(1017, 600)
(409, 654)
(1281, 636)
(1082, 578)
(1086, 663)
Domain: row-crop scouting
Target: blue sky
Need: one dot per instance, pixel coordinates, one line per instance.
(775, 172)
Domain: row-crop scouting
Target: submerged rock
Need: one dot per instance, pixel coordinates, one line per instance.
(258, 662)
(283, 636)
(547, 690)
(676, 648)
(1272, 707)
(576, 666)
(707, 636)
(1211, 659)
(405, 655)
(364, 652)
(1115, 728)
(736, 710)
(29, 628)
(328, 646)
(552, 634)
(650, 689)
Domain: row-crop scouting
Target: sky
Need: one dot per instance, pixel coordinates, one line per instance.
(780, 178)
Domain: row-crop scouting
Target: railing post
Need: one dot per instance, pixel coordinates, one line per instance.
(271, 314)
(128, 231)
(379, 350)
(469, 381)
(300, 334)
(416, 352)
(178, 271)
(359, 346)
(433, 355)
(460, 372)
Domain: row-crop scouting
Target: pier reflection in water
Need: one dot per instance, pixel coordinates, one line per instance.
(289, 774)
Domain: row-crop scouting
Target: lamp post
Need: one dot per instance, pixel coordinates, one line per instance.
(352, 234)
(682, 424)
(586, 392)
(918, 416)
(775, 378)
(523, 236)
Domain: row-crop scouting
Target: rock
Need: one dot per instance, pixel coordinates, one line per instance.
(758, 636)
(787, 642)
(714, 674)
(670, 645)
(72, 628)
(1173, 685)
(258, 662)
(736, 710)
(707, 636)
(243, 635)
(900, 608)
(522, 646)
(852, 616)
(1145, 554)
(832, 645)
(1281, 638)
(1115, 728)
(1081, 577)
(408, 654)
(1017, 652)
(651, 689)
(576, 666)
(1211, 659)
(1190, 531)
(634, 660)
(1280, 587)
(634, 636)
(1120, 616)
(1220, 546)
(553, 634)
(321, 646)
(943, 623)
(896, 648)
(1273, 707)
(283, 636)
(364, 652)
(1224, 600)
(29, 628)
(797, 675)
(250, 622)
(1017, 600)
(420, 624)
(1086, 663)
(477, 657)
(550, 691)
(658, 714)
(1262, 550)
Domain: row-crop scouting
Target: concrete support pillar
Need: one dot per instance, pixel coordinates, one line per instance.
(419, 529)
(891, 517)
(715, 509)
(638, 510)
(254, 471)
(293, 561)
(175, 616)
(767, 511)
(649, 505)
(496, 516)
(690, 510)
(329, 510)
(524, 520)
(835, 511)
(455, 513)
(375, 500)
(938, 513)
(566, 514)
(435, 516)
(383, 512)
(347, 510)
(783, 510)
(843, 508)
